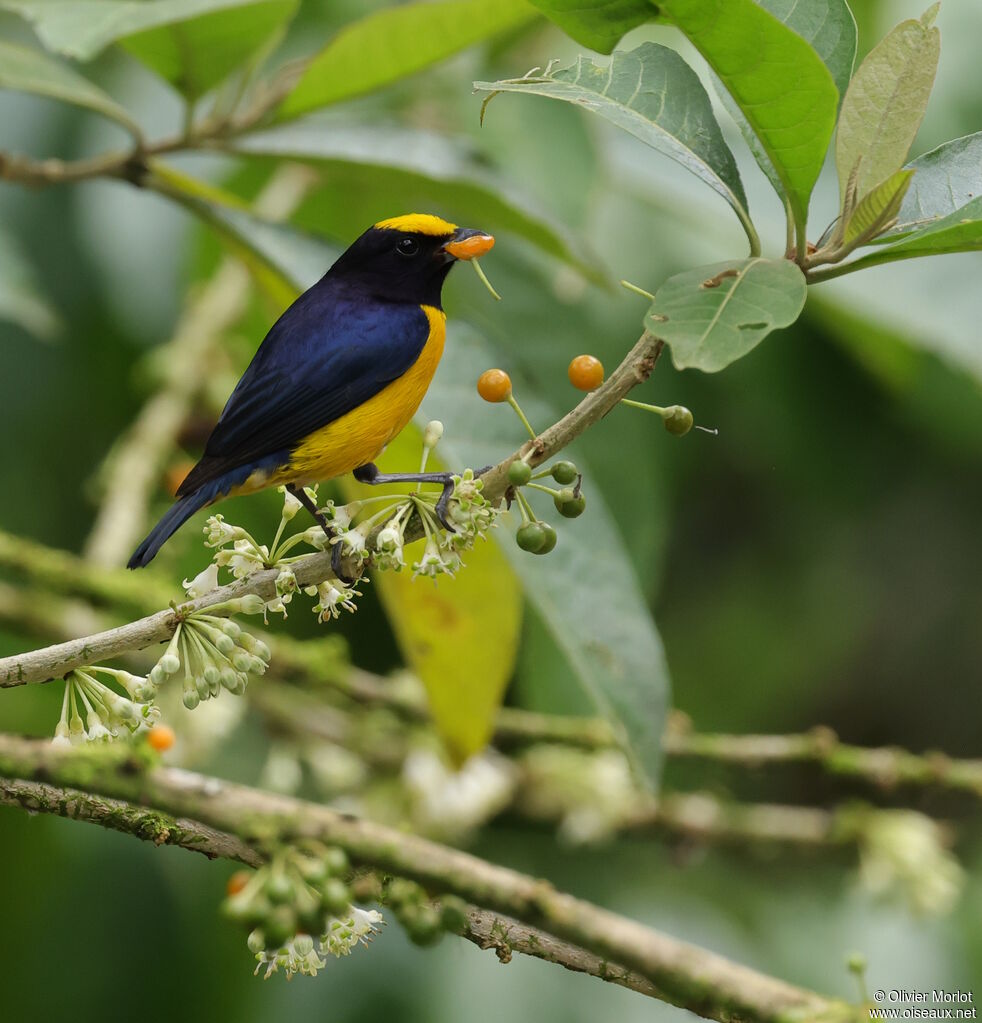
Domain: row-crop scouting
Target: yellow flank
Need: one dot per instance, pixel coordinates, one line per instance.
(361, 435)
(418, 223)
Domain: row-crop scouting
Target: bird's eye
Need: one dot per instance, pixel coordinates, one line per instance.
(408, 247)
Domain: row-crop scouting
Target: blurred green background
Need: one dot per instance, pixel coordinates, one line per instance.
(814, 563)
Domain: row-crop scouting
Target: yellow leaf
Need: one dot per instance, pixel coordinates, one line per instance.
(460, 635)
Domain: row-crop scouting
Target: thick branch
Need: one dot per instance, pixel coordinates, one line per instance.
(686, 974)
(53, 662)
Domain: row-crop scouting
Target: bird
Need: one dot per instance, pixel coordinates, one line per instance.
(339, 375)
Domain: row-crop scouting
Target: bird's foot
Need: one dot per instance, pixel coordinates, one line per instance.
(370, 474)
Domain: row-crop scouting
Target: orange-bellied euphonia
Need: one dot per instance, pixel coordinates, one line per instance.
(340, 373)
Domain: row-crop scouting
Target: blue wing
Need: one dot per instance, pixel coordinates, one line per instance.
(331, 351)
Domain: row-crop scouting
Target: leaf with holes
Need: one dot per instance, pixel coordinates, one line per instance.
(885, 103)
(652, 93)
(714, 315)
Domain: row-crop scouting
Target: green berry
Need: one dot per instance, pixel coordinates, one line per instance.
(531, 537)
(256, 941)
(335, 897)
(519, 473)
(279, 888)
(280, 926)
(564, 473)
(336, 861)
(551, 539)
(569, 504)
(678, 421)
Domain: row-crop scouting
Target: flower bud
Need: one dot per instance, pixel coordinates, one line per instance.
(291, 504)
(432, 433)
(169, 664)
(205, 581)
(256, 941)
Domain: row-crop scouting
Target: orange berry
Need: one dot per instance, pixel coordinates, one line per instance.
(237, 882)
(494, 385)
(586, 372)
(161, 738)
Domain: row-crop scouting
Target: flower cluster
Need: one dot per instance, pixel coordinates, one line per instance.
(300, 893)
(215, 652)
(91, 711)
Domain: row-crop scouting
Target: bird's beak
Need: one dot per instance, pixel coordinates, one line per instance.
(467, 243)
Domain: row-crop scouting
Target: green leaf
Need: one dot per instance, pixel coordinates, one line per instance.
(600, 24)
(193, 44)
(885, 103)
(714, 315)
(585, 591)
(390, 44)
(653, 94)
(960, 231)
(946, 179)
(422, 161)
(21, 301)
(877, 209)
(26, 70)
(830, 29)
(778, 81)
(444, 629)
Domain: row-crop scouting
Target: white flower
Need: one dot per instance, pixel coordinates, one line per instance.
(335, 597)
(433, 562)
(203, 582)
(286, 585)
(343, 934)
(218, 532)
(291, 504)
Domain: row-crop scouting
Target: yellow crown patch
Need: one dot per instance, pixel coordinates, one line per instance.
(418, 223)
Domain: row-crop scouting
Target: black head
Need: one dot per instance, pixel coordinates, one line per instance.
(407, 259)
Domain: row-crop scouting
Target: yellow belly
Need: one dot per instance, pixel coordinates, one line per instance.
(361, 435)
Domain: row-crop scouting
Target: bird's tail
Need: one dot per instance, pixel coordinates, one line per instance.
(177, 515)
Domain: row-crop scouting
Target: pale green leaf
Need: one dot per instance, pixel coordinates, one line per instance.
(193, 44)
(585, 591)
(21, 300)
(390, 44)
(877, 208)
(653, 94)
(960, 231)
(829, 27)
(714, 315)
(779, 82)
(26, 70)
(599, 24)
(946, 179)
(885, 103)
(426, 162)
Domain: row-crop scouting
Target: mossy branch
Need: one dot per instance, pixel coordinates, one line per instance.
(684, 974)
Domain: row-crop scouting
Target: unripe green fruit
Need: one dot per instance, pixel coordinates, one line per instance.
(335, 897)
(678, 421)
(551, 539)
(531, 537)
(336, 861)
(564, 473)
(279, 888)
(256, 941)
(519, 473)
(568, 504)
(281, 925)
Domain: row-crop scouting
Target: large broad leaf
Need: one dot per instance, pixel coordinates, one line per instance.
(585, 591)
(885, 104)
(714, 315)
(777, 80)
(26, 70)
(398, 41)
(945, 180)
(599, 24)
(194, 44)
(830, 29)
(960, 231)
(460, 186)
(652, 93)
(21, 301)
(460, 635)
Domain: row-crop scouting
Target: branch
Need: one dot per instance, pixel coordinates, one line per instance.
(685, 974)
(53, 662)
(485, 929)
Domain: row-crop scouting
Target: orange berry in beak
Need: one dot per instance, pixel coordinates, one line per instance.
(468, 245)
